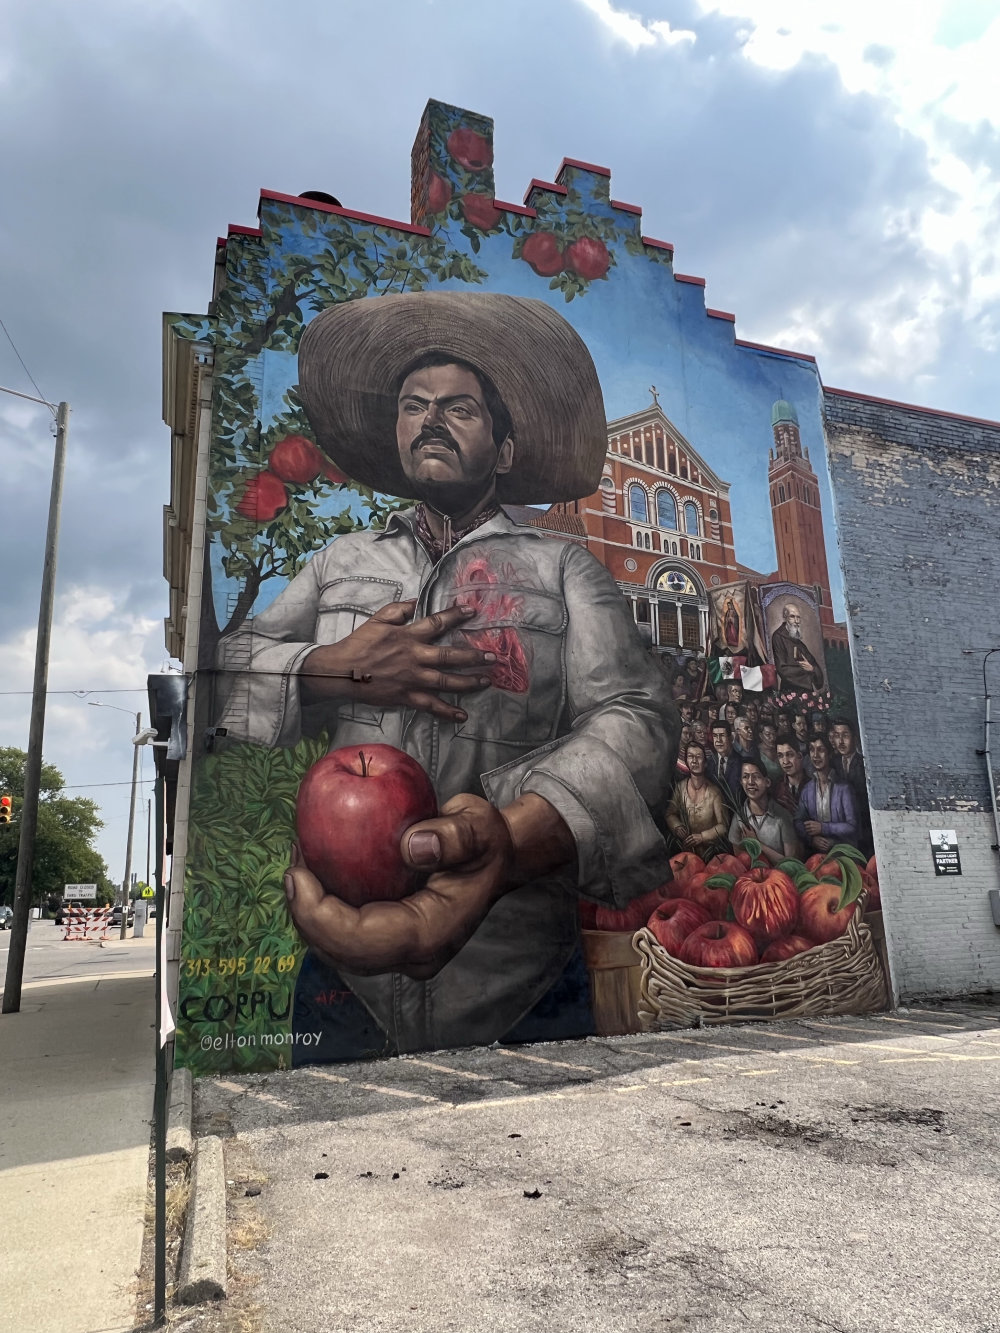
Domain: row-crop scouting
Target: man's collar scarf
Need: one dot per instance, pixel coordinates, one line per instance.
(436, 547)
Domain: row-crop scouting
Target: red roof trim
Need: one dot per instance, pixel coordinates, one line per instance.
(219, 240)
(582, 166)
(235, 229)
(912, 407)
(778, 351)
(721, 314)
(660, 245)
(344, 212)
(626, 208)
(544, 185)
(685, 277)
(515, 208)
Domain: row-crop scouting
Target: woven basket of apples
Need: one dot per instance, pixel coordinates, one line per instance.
(741, 939)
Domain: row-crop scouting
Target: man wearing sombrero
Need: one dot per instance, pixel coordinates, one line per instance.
(505, 662)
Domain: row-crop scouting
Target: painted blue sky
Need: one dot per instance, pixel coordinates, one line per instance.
(831, 169)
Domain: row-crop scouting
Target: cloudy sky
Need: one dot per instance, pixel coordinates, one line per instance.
(831, 169)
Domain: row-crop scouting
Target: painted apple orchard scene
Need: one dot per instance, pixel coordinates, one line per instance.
(523, 665)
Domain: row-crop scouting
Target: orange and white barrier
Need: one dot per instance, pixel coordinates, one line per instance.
(86, 923)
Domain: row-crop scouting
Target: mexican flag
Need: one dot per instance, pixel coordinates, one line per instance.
(759, 678)
(725, 668)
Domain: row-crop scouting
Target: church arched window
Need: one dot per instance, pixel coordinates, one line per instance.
(691, 518)
(638, 505)
(666, 509)
(781, 492)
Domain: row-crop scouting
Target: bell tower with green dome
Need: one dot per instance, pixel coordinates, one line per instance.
(795, 510)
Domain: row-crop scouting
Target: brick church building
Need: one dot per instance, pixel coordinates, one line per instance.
(660, 521)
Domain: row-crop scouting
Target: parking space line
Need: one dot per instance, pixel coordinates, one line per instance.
(756, 1073)
(543, 1060)
(679, 1082)
(711, 1045)
(449, 1069)
(827, 1060)
(914, 1060)
(913, 1022)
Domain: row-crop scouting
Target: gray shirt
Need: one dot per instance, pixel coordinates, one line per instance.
(585, 721)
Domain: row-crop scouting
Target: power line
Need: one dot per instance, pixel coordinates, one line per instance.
(23, 366)
(138, 689)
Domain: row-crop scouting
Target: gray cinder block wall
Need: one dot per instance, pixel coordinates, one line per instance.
(917, 499)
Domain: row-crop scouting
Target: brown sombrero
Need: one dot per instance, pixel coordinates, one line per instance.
(352, 355)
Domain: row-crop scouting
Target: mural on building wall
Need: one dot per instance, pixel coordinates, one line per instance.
(521, 716)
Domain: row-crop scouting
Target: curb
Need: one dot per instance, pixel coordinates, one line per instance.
(180, 1144)
(203, 1275)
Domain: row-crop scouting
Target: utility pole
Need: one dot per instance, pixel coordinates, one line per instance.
(127, 881)
(149, 816)
(36, 729)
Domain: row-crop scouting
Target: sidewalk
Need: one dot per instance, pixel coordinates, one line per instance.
(76, 1097)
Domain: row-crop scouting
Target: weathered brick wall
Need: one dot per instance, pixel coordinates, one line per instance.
(917, 497)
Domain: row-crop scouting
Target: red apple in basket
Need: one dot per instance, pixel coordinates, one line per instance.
(715, 901)
(765, 902)
(818, 915)
(673, 920)
(726, 864)
(874, 903)
(719, 944)
(631, 917)
(685, 865)
(354, 806)
(824, 869)
(787, 947)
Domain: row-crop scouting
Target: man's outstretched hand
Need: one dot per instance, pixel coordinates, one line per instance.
(470, 852)
(473, 853)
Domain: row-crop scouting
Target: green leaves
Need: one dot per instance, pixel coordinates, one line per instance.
(853, 883)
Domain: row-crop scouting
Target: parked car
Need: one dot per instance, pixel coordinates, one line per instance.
(6, 917)
(116, 916)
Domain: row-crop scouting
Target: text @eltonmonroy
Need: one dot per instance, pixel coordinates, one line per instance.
(233, 1040)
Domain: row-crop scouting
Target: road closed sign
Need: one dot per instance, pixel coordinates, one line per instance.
(83, 891)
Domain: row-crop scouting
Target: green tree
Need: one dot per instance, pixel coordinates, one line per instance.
(67, 826)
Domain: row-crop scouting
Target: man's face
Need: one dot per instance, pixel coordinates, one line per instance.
(767, 735)
(842, 739)
(444, 433)
(793, 621)
(687, 712)
(699, 732)
(790, 761)
(720, 740)
(735, 692)
(729, 713)
(800, 726)
(744, 732)
(784, 724)
(818, 756)
(752, 711)
(693, 670)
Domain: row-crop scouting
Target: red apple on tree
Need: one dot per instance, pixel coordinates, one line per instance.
(354, 805)
(295, 459)
(480, 211)
(719, 944)
(673, 920)
(786, 947)
(819, 917)
(469, 149)
(263, 499)
(588, 257)
(438, 194)
(765, 902)
(542, 251)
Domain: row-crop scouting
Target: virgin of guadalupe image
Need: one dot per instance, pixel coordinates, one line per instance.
(731, 624)
(505, 663)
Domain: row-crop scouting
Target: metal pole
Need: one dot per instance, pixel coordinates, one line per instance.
(36, 730)
(160, 1092)
(149, 814)
(127, 881)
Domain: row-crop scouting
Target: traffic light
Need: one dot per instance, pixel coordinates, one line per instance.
(5, 809)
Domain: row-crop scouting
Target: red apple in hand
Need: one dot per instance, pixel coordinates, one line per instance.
(765, 902)
(353, 808)
(673, 921)
(818, 915)
(719, 944)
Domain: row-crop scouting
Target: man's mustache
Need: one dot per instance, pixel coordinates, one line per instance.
(436, 435)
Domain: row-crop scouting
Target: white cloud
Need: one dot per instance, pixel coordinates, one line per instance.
(634, 31)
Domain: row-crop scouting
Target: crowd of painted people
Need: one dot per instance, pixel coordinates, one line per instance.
(749, 768)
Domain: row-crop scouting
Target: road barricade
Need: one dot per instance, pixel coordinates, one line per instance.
(86, 923)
